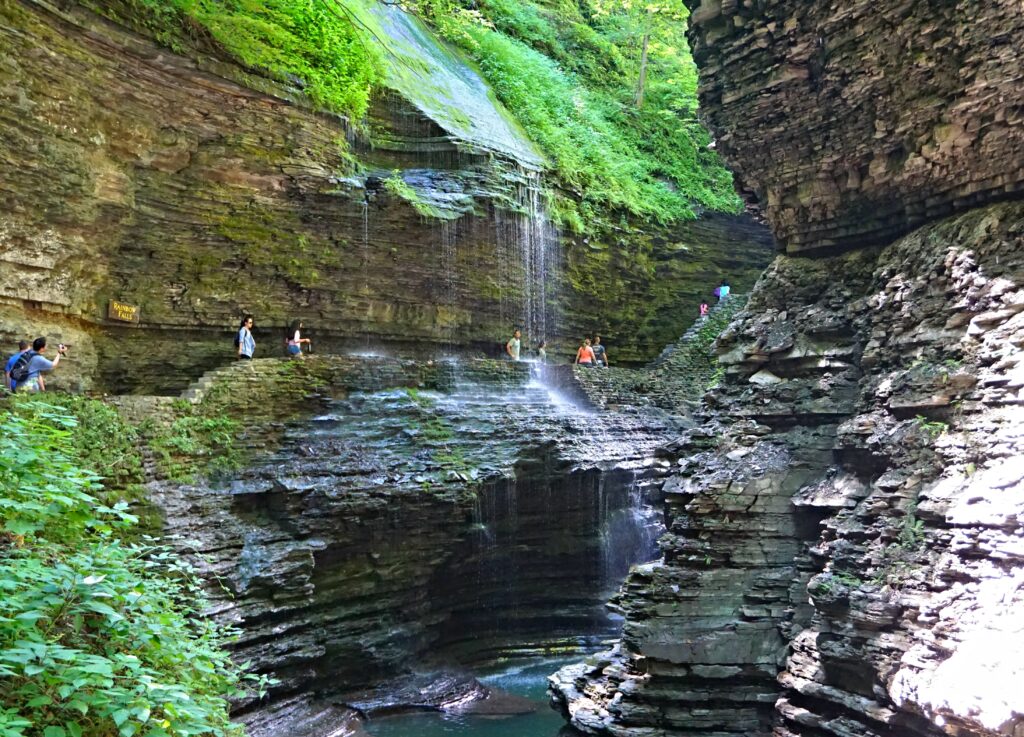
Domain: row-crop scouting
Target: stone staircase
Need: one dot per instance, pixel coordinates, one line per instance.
(680, 375)
(719, 314)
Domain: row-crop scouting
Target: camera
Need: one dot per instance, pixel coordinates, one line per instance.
(63, 347)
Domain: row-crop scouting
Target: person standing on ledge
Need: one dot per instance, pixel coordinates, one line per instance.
(295, 340)
(585, 355)
(244, 341)
(8, 381)
(542, 351)
(704, 309)
(29, 369)
(513, 345)
(600, 354)
(722, 290)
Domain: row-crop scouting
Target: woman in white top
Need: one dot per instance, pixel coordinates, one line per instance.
(295, 339)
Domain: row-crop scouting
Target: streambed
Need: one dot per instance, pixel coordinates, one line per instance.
(525, 678)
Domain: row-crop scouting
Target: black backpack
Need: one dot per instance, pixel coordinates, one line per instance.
(238, 337)
(19, 372)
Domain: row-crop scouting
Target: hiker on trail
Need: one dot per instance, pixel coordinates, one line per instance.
(244, 341)
(600, 354)
(722, 290)
(28, 370)
(542, 351)
(295, 340)
(704, 309)
(10, 383)
(585, 355)
(513, 345)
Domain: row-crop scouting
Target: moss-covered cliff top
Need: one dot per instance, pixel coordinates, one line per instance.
(606, 91)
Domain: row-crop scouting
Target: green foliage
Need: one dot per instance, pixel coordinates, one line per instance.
(567, 72)
(104, 443)
(933, 429)
(195, 442)
(309, 44)
(97, 637)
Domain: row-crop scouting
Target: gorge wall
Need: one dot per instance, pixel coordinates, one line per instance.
(849, 124)
(413, 519)
(845, 553)
(198, 190)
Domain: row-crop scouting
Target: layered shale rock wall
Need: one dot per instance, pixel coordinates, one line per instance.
(845, 553)
(196, 190)
(854, 122)
(429, 515)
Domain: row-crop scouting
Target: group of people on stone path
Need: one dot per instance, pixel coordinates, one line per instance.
(245, 343)
(24, 370)
(591, 354)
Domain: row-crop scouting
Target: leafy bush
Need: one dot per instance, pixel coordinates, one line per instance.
(569, 84)
(97, 637)
(195, 442)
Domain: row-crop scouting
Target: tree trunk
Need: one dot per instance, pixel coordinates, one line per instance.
(638, 99)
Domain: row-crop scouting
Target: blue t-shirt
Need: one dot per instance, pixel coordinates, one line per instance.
(10, 366)
(37, 365)
(725, 291)
(246, 342)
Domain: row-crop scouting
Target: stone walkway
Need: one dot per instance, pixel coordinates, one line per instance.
(676, 379)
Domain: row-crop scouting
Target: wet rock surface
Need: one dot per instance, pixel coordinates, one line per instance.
(845, 542)
(408, 530)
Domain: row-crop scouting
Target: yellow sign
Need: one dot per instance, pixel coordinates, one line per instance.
(122, 312)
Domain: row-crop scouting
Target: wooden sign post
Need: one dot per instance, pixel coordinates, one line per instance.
(122, 312)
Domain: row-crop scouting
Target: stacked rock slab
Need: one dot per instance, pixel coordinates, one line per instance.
(845, 553)
(854, 122)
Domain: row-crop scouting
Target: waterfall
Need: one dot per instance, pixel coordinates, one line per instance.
(447, 293)
(529, 257)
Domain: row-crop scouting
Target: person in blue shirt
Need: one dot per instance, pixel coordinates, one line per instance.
(8, 381)
(722, 291)
(246, 343)
(39, 365)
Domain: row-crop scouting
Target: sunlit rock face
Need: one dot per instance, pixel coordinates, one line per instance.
(845, 553)
(851, 123)
(198, 191)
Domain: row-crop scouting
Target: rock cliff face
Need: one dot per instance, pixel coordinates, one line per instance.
(197, 190)
(852, 123)
(407, 530)
(845, 553)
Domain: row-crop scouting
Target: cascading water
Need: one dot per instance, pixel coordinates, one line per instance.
(528, 248)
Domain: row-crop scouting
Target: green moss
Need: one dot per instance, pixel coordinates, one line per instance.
(312, 46)
(398, 187)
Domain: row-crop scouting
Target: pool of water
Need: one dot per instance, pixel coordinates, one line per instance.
(527, 679)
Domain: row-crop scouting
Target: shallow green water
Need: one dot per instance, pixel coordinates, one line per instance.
(526, 678)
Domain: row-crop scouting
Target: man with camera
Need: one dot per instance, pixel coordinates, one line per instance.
(29, 370)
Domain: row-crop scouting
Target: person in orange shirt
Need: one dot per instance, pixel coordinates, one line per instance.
(585, 355)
